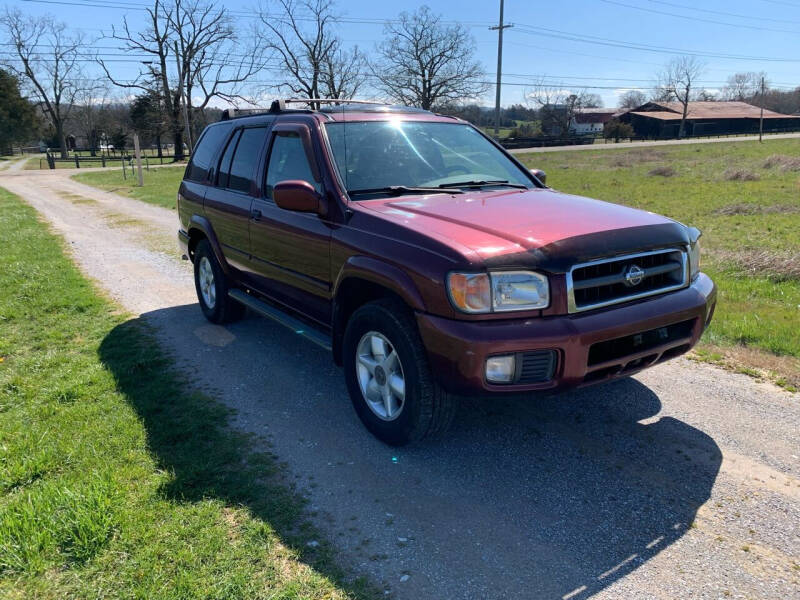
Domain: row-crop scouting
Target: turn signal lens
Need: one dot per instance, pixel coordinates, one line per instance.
(470, 292)
(694, 260)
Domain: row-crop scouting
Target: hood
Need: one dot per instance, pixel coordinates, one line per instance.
(539, 227)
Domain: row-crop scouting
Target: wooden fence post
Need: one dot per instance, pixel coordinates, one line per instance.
(138, 154)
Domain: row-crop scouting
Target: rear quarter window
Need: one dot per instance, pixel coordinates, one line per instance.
(205, 151)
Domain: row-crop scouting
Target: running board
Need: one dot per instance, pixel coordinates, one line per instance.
(296, 325)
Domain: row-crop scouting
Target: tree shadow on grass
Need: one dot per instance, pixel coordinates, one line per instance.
(536, 497)
(191, 437)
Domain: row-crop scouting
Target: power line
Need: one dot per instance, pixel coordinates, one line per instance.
(695, 19)
(722, 13)
(591, 39)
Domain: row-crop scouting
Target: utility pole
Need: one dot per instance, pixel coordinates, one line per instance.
(761, 120)
(500, 27)
(180, 95)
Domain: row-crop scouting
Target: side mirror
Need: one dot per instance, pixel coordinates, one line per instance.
(297, 195)
(540, 175)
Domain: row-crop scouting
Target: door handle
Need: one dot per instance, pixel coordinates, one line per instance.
(255, 214)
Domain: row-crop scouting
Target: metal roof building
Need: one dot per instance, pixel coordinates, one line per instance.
(662, 119)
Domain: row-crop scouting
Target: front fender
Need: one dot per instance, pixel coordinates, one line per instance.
(384, 274)
(204, 225)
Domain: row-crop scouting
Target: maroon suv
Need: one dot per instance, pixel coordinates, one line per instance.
(429, 260)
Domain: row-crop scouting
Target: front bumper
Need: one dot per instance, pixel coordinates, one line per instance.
(458, 349)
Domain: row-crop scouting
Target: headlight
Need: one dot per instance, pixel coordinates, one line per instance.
(499, 291)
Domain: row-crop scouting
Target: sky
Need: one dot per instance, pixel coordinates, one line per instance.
(601, 46)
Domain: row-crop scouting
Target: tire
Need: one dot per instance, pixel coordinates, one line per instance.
(425, 408)
(212, 287)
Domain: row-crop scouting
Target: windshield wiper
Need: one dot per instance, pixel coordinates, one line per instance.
(399, 190)
(485, 182)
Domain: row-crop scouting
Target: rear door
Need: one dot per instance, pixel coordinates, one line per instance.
(229, 201)
(291, 250)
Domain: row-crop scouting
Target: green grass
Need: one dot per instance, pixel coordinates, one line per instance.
(759, 300)
(160, 185)
(115, 480)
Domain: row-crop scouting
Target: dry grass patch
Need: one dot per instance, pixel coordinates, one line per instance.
(784, 161)
(630, 159)
(662, 172)
(781, 370)
(778, 266)
(731, 210)
(740, 175)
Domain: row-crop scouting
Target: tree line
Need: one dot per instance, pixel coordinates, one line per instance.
(195, 57)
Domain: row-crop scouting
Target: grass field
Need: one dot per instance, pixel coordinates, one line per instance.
(115, 480)
(746, 198)
(160, 185)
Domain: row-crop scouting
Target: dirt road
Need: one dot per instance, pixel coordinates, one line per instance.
(683, 482)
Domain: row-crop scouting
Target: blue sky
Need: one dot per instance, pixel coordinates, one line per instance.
(546, 39)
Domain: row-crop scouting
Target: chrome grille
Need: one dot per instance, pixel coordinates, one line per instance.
(623, 278)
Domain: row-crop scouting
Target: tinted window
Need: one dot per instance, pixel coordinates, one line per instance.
(225, 162)
(288, 160)
(245, 158)
(205, 151)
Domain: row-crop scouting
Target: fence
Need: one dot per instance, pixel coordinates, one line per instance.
(104, 161)
(538, 142)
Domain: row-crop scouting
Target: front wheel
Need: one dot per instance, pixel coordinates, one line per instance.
(388, 377)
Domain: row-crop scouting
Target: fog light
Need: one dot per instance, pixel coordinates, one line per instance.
(500, 369)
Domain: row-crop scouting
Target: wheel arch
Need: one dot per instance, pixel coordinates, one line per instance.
(199, 229)
(364, 280)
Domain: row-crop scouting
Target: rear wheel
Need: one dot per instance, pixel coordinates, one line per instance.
(388, 375)
(212, 287)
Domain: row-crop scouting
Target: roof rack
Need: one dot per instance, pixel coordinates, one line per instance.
(280, 106)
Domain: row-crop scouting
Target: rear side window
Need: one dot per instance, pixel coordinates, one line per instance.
(205, 151)
(245, 158)
(224, 170)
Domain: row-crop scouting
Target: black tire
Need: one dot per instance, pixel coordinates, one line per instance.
(225, 309)
(427, 409)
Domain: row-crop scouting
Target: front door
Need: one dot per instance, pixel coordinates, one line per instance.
(291, 250)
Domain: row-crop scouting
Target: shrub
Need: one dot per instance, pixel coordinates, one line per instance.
(616, 130)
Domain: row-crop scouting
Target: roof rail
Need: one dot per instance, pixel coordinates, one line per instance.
(283, 103)
(279, 105)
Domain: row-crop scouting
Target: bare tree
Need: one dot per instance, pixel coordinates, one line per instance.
(344, 72)
(742, 87)
(704, 95)
(154, 41)
(208, 50)
(632, 99)
(425, 63)
(313, 63)
(91, 102)
(46, 57)
(677, 82)
(558, 105)
(214, 59)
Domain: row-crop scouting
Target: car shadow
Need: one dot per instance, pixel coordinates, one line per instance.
(535, 497)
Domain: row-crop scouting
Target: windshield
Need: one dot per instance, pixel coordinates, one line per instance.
(374, 156)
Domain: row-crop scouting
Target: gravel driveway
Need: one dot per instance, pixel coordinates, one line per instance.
(682, 482)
